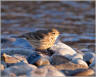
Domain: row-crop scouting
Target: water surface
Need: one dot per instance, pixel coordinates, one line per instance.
(74, 19)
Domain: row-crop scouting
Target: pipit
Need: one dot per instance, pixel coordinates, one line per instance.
(41, 39)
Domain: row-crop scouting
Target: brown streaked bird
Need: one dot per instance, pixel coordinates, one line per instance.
(41, 39)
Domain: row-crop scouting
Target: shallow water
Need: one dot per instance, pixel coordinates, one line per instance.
(74, 19)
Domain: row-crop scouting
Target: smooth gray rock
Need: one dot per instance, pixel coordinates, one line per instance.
(62, 49)
(58, 59)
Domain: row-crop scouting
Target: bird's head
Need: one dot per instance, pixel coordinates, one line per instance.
(54, 32)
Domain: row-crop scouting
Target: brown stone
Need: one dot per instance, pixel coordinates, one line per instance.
(9, 59)
(42, 61)
(70, 66)
(47, 70)
(87, 72)
(2, 67)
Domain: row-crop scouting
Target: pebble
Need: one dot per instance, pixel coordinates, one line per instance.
(38, 59)
(88, 57)
(79, 61)
(7, 74)
(70, 66)
(2, 67)
(9, 59)
(93, 64)
(77, 56)
(58, 59)
(33, 58)
(47, 70)
(87, 72)
(42, 61)
(19, 69)
(20, 57)
(63, 49)
(84, 50)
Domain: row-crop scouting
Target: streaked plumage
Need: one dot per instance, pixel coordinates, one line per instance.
(41, 39)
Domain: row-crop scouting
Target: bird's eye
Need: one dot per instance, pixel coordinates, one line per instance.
(53, 33)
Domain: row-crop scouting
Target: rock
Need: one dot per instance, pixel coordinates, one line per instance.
(33, 58)
(47, 70)
(79, 61)
(70, 66)
(37, 72)
(93, 65)
(19, 69)
(77, 56)
(42, 61)
(20, 51)
(52, 71)
(2, 67)
(58, 59)
(88, 56)
(93, 62)
(84, 50)
(62, 49)
(20, 57)
(38, 59)
(9, 59)
(7, 74)
(87, 72)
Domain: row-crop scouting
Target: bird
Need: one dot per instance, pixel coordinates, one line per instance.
(41, 39)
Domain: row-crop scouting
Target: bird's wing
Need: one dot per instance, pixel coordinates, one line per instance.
(39, 35)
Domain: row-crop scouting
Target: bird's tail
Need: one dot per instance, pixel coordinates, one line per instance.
(19, 36)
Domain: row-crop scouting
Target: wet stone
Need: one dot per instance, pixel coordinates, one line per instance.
(3, 65)
(88, 56)
(37, 72)
(33, 58)
(52, 71)
(9, 59)
(38, 59)
(21, 58)
(77, 56)
(19, 69)
(79, 61)
(47, 70)
(87, 72)
(70, 68)
(7, 74)
(42, 61)
(58, 59)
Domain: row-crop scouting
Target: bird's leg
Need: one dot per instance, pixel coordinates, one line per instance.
(46, 52)
(51, 52)
(41, 51)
